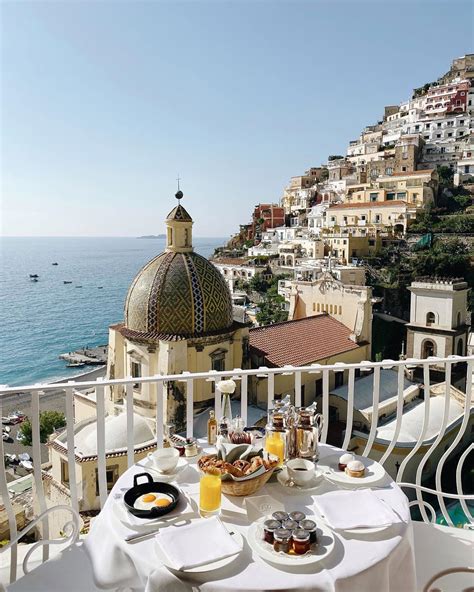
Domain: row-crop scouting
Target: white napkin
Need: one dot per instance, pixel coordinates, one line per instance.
(203, 541)
(354, 509)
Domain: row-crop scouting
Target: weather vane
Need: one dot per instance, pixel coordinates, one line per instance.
(179, 193)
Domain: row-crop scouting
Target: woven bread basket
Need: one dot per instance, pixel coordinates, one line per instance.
(247, 487)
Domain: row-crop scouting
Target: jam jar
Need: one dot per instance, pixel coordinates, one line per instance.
(282, 540)
(310, 527)
(269, 527)
(280, 516)
(290, 524)
(298, 516)
(301, 542)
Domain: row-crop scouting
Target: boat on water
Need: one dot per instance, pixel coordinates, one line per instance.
(100, 287)
(75, 364)
(54, 263)
(78, 286)
(34, 279)
(66, 282)
(34, 275)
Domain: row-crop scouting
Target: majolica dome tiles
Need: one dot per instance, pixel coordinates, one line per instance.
(178, 294)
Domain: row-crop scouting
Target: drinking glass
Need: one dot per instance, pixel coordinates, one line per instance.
(210, 494)
(274, 444)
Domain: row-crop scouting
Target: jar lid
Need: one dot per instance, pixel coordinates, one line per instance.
(290, 524)
(282, 535)
(280, 516)
(298, 516)
(300, 535)
(271, 524)
(308, 525)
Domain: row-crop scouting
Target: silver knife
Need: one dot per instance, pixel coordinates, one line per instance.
(132, 538)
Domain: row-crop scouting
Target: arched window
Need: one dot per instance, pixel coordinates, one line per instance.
(330, 308)
(430, 319)
(340, 309)
(428, 349)
(318, 307)
(458, 320)
(460, 348)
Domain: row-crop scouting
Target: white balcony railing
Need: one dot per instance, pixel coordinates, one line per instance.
(443, 417)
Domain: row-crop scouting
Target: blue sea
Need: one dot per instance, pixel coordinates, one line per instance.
(40, 320)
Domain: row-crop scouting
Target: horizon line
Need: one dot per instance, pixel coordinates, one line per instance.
(96, 236)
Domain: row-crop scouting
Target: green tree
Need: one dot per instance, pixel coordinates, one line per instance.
(445, 175)
(49, 422)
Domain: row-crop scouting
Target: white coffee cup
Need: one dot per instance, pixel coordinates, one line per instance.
(164, 459)
(300, 470)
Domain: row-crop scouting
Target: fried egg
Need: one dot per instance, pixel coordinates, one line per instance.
(151, 500)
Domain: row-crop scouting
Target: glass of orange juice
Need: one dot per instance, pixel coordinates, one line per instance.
(274, 444)
(210, 494)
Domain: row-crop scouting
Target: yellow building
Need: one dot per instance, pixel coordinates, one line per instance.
(394, 216)
(178, 318)
(416, 188)
(345, 246)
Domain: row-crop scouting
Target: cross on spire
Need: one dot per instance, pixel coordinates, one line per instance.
(179, 193)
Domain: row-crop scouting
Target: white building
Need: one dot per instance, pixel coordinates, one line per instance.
(439, 319)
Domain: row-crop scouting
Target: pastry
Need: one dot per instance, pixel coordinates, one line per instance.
(345, 458)
(355, 468)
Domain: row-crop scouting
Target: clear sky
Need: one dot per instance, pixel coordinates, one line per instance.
(104, 103)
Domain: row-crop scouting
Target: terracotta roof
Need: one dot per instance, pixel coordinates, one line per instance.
(420, 172)
(301, 342)
(370, 204)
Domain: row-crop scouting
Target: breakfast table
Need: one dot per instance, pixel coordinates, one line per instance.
(372, 560)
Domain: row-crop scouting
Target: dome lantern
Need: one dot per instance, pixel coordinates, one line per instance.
(179, 229)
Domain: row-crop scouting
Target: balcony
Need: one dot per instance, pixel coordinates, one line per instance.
(419, 433)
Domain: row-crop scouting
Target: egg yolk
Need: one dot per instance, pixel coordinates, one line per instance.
(162, 502)
(149, 497)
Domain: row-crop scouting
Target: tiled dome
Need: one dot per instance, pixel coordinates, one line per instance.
(181, 294)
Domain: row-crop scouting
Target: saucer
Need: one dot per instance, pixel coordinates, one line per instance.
(315, 482)
(148, 464)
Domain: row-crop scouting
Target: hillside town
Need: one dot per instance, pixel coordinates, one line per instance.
(404, 184)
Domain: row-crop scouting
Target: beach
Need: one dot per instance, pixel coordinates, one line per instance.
(50, 401)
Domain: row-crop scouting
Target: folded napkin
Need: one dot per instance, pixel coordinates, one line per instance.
(203, 541)
(355, 509)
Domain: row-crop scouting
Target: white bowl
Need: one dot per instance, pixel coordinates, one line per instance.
(164, 459)
(300, 470)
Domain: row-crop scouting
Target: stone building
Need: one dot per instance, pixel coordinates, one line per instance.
(439, 319)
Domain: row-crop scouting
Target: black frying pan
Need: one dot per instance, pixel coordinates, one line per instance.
(150, 487)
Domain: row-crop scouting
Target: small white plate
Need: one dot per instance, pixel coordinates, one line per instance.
(207, 567)
(315, 482)
(320, 551)
(373, 471)
(148, 465)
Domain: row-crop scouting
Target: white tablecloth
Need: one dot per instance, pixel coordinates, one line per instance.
(375, 562)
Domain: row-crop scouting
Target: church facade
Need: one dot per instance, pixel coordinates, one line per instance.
(178, 318)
